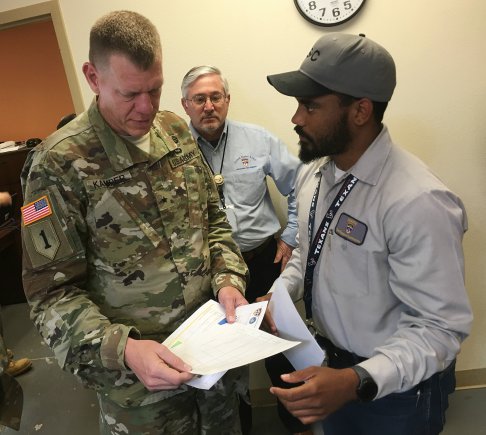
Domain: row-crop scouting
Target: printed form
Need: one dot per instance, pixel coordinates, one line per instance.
(211, 346)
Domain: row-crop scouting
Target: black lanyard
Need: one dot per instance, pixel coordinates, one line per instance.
(218, 178)
(318, 242)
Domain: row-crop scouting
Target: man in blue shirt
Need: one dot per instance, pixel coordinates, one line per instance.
(241, 156)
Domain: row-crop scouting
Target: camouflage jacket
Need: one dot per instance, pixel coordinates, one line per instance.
(117, 241)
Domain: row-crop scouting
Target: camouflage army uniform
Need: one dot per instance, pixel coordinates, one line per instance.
(118, 242)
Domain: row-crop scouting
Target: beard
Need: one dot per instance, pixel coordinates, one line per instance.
(335, 142)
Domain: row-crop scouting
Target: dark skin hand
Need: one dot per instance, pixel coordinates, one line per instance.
(324, 391)
(268, 324)
(320, 390)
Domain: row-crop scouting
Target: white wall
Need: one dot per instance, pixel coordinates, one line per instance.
(436, 111)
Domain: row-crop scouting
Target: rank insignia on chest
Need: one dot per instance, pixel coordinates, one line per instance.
(351, 229)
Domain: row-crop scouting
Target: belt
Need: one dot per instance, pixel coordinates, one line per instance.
(252, 253)
(336, 357)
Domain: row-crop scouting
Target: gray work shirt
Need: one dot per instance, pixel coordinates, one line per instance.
(389, 283)
(252, 153)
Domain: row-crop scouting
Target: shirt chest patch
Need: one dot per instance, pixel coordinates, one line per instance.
(244, 162)
(351, 229)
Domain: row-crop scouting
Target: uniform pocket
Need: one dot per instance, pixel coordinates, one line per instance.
(196, 196)
(121, 236)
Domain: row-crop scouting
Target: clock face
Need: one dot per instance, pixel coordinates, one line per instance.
(328, 12)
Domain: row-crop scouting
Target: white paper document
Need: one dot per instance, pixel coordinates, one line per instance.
(210, 345)
(251, 315)
(290, 326)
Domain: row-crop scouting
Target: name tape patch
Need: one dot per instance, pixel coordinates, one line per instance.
(182, 159)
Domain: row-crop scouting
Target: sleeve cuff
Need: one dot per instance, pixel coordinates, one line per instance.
(384, 373)
(113, 346)
(289, 236)
(228, 280)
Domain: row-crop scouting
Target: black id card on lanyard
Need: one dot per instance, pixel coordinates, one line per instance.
(317, 244)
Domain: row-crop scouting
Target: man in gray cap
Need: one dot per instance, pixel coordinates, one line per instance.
(379, 257)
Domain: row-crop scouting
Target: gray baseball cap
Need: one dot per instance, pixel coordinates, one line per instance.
(349, 64)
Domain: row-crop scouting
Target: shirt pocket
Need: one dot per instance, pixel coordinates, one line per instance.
(120, 235)
(250, 187)
(347, 267)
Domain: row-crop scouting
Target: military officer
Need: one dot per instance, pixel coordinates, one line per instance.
(123, 240)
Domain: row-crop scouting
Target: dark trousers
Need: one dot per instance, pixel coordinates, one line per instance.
(277, 365)
(419, 411)
(263, 273)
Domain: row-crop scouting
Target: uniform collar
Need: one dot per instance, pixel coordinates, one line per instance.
(123, 154)
(370, 165)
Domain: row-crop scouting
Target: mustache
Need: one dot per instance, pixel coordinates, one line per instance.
(300, 131)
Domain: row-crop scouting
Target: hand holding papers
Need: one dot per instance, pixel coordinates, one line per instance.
(210, 345)
(290, 326)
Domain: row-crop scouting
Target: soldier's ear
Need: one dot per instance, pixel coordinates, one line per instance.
(92, 77)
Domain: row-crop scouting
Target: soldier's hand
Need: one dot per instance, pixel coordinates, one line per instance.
(155, 365)
(230, 298)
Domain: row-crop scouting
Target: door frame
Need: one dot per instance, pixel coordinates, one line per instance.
(41, 11)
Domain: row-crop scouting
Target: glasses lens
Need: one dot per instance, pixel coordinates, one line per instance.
(215, 99)
(199, 100)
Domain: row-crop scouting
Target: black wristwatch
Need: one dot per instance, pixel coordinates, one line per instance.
(367, 388)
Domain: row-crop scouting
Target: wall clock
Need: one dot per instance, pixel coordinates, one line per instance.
(328, 12)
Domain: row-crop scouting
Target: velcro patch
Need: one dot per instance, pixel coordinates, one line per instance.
(181, 159)
(36, 210)
(108, 182)
(351, 229)
(44, 238)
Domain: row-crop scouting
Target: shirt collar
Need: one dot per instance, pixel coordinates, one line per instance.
(370, 165)
(203, 142)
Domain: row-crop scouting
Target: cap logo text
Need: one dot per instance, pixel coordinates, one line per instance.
(313, 54)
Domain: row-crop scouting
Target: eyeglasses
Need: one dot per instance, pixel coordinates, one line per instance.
(200, 99)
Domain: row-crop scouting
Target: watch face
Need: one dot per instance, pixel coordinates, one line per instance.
(328, 12)
(367, 390)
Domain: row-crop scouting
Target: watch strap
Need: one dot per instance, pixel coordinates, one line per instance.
(367, 388)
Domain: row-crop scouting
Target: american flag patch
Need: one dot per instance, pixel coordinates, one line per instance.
(36, 210)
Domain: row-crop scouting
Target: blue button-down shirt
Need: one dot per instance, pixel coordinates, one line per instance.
(252, 153)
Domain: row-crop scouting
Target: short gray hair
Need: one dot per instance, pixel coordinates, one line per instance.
(198, 71)
(127, 33)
